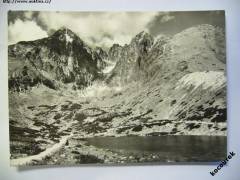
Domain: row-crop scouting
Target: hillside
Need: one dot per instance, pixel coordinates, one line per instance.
(60, 58)
(180, 79)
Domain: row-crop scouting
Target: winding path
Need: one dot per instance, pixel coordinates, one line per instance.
(42, 155)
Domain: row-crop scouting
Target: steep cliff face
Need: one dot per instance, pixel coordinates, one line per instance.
(129, 58)
(114, 52)
(62, 57)
(100, 57)
(102, 54)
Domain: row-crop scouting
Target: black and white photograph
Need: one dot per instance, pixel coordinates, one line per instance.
(105, 87)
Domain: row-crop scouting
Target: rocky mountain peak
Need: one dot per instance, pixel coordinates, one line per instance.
(115, 46)
(61, 57)
(142, 36)
(142, 42)
(66, 36)
(130, 58)
(64, 32)
(101, 52)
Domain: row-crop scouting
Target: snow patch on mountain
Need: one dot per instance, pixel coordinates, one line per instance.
(212, 80)
(70, 63)
(98, 89)
(89, 120)
(109, 67)
(68, 38)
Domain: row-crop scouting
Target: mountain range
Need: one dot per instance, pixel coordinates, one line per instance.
(153, 86)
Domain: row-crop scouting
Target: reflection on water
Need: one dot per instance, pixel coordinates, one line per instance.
(167, 148)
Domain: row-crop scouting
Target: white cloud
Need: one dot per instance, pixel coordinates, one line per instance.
(24, 31)
(167, 18)
(28, 14)
(98, 28)
(95, 28)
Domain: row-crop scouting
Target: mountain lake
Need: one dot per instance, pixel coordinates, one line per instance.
(166, 148)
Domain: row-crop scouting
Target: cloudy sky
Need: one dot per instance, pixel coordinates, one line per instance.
(105, 28)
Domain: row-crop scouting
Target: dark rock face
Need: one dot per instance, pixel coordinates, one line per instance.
(99, 56)
(130, 58)
(102, 54)
(114, 52)
(62, 57)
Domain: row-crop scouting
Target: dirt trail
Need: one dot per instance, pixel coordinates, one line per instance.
(42, 155)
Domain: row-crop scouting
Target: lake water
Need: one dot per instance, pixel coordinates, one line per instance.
(167, 148)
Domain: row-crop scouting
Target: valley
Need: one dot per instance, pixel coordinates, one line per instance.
(63, 93)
